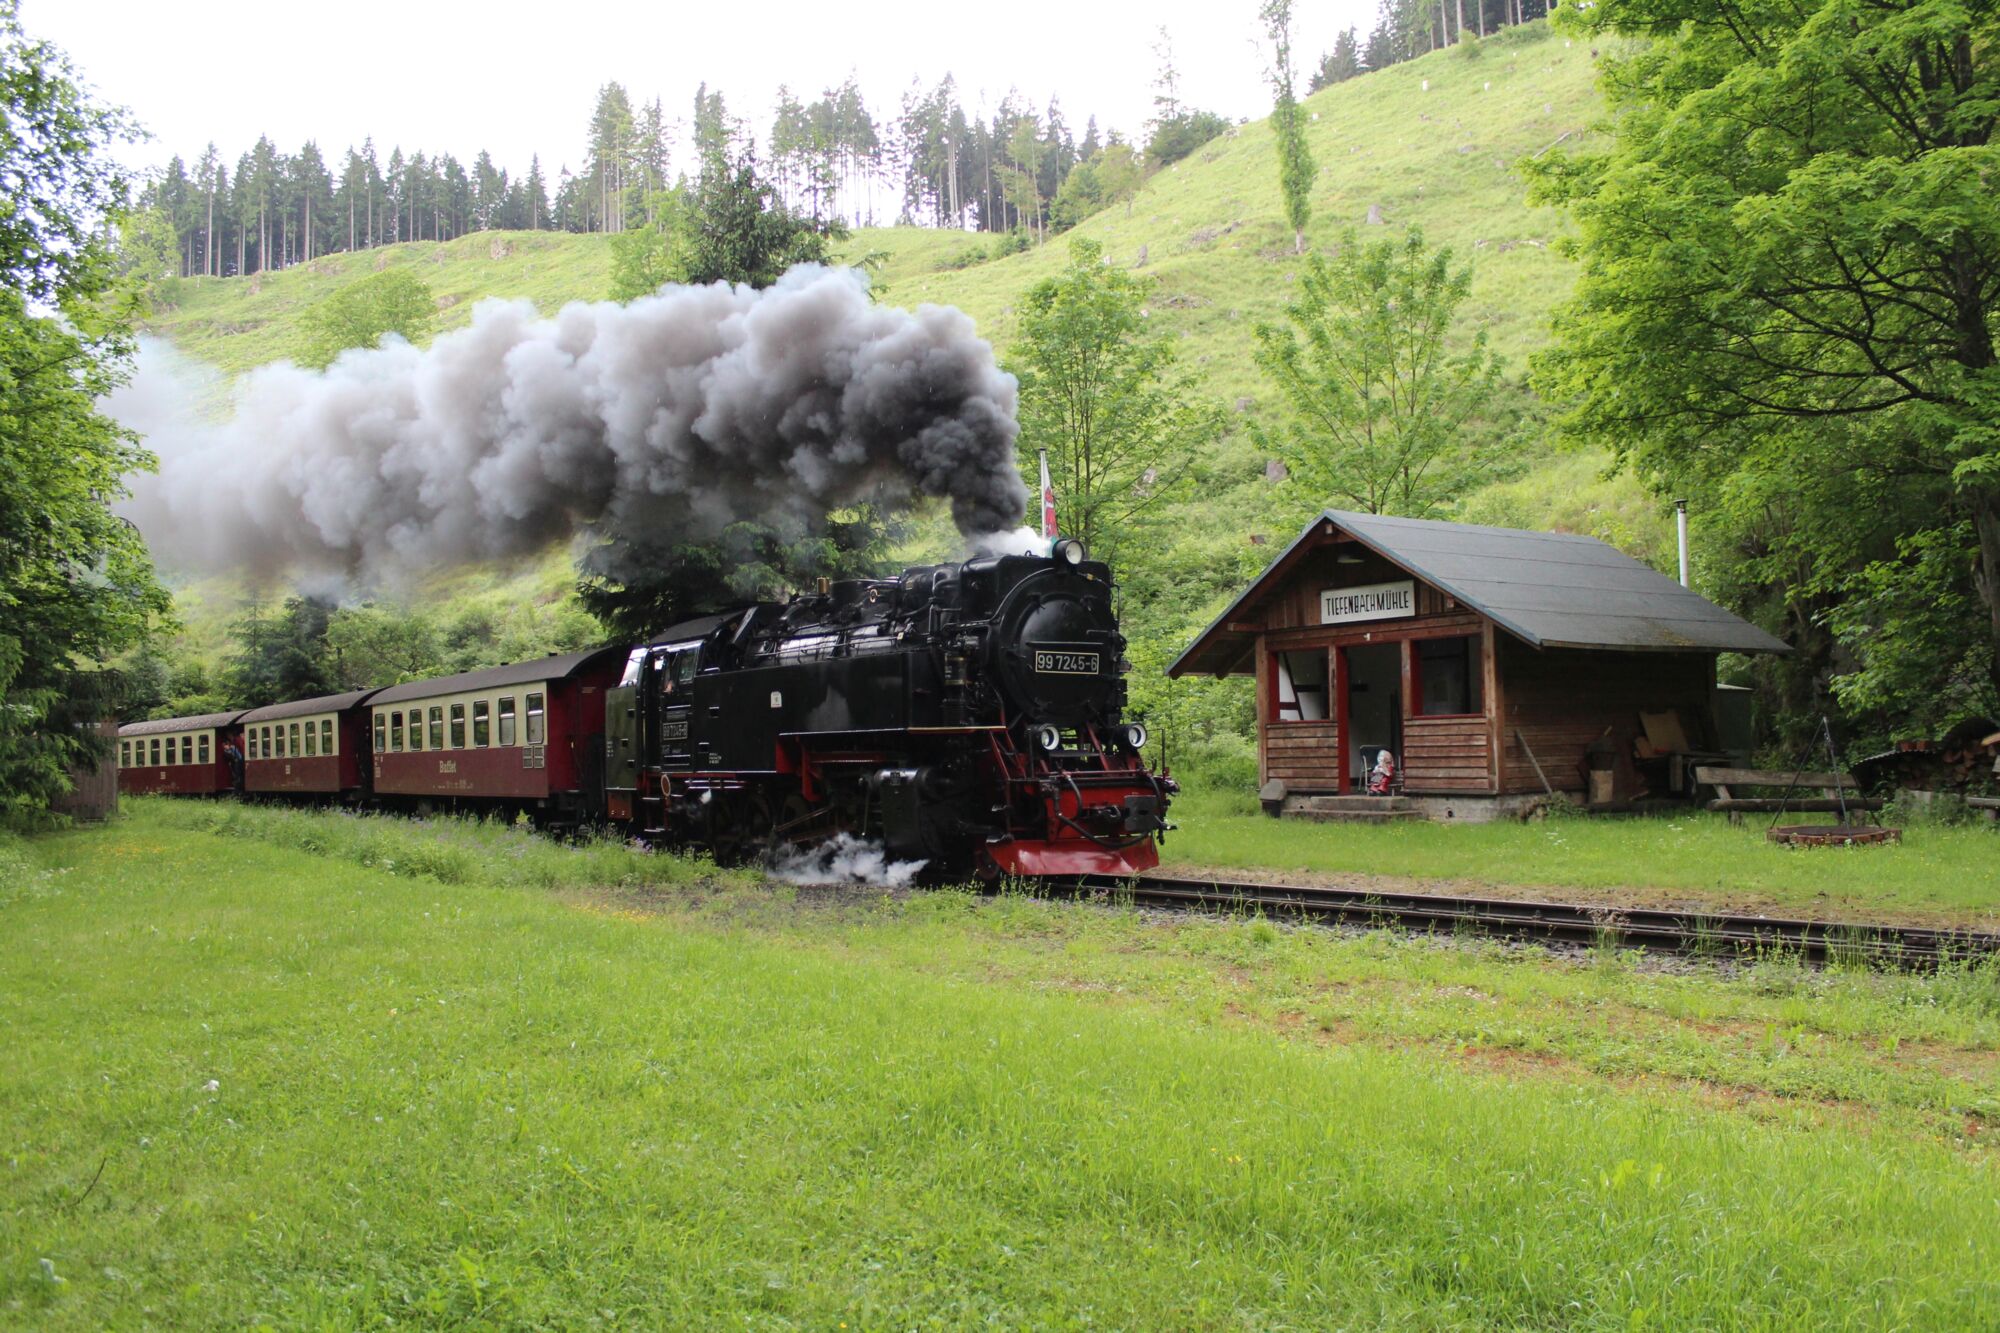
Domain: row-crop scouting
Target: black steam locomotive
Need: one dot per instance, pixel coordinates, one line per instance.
(969, 715)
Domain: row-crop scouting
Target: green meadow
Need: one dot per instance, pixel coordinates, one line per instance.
(307, 1070)
(1939, 872)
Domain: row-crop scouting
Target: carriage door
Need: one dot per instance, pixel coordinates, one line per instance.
(673, 676)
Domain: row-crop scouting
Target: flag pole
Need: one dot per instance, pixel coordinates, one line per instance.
(1048, 500)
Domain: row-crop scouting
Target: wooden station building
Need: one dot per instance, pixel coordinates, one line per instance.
(1497, 666)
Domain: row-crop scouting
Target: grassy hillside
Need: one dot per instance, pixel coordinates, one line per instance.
(1433, 142)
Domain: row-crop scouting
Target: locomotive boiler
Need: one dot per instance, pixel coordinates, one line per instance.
(970, 715)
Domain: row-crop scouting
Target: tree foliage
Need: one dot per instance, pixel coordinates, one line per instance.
(1296, 168)
(76, 587)
(1101, 392)
(1788, 306)
(364, 312)
(1379, 399)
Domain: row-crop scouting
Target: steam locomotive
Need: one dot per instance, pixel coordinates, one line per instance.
(969, 715)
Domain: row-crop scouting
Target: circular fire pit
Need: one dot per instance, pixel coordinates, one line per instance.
(1832, 835)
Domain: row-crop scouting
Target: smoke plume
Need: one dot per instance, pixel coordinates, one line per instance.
(668, 418)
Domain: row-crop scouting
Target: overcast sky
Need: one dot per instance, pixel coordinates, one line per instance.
(517, 79)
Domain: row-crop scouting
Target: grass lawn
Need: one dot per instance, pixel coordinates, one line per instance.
(1938, 873)
(255, 1080)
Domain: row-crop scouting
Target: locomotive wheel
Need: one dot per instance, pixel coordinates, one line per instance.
(729, 834)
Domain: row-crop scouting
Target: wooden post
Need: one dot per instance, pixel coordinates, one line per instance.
(1490, 692)
(1264, 688)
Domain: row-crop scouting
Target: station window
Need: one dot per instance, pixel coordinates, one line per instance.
(395, 732)
(201, 749)
(296, 751)
(156, 752)
(437, 727)
(481, 725)
(537, 720)
(507, 720)
(1300, 680)
(381, 733)
(1449, 675)
(326, 735)
(458, 726)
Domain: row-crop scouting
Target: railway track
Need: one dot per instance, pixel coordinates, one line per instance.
(1681, 932)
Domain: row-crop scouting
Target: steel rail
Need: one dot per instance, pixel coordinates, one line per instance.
(1667, 930)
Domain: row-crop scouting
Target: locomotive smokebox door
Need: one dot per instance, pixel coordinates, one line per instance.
(1057, 645)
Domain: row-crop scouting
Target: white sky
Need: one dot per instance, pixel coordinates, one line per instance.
(518, 78)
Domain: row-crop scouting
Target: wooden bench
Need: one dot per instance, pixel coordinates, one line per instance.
(1986, 805)
(1833, 790)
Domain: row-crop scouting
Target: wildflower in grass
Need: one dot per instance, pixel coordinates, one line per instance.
(211, 1086)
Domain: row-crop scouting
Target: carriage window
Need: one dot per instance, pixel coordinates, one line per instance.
(536, 719)
(326, 735)
(458, 726)
(267, 747)
(312, 740)
(156, 752)
(1449, 672)
(481, 727)
(1301, 684)
(416, 728)
(507, 721)
(381, 733)
(395, 732)
(437, 727)
(201, 754)
(296, 752)
(125, 754)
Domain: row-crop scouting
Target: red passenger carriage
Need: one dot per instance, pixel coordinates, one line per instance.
(524, 737)
(177, 756)
(311, 747)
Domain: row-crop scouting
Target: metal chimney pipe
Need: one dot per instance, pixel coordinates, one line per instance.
(1681, 522)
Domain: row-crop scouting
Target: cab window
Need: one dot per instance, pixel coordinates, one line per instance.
(507, 721)
(536, 720)
(482, 725)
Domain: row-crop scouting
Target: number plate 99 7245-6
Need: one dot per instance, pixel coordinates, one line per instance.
(1058, 662)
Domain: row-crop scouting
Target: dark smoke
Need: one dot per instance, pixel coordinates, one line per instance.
(667, 419)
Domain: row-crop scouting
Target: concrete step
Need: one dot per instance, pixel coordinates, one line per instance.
(1377, 804)
(1354, 816)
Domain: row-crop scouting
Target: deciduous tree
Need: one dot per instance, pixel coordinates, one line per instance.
(1378, 398)
(1100, 391)
(1791, 274)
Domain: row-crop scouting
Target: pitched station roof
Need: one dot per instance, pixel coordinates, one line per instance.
(1549, 589)
(558, 667)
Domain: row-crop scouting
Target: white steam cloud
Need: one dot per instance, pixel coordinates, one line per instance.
(843, 859)
(671, 417)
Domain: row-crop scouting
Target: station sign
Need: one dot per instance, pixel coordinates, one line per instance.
(1370, 601)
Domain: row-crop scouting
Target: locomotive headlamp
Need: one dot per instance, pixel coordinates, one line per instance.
(1135, 736)
(1048, 737)
(1069, 550)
